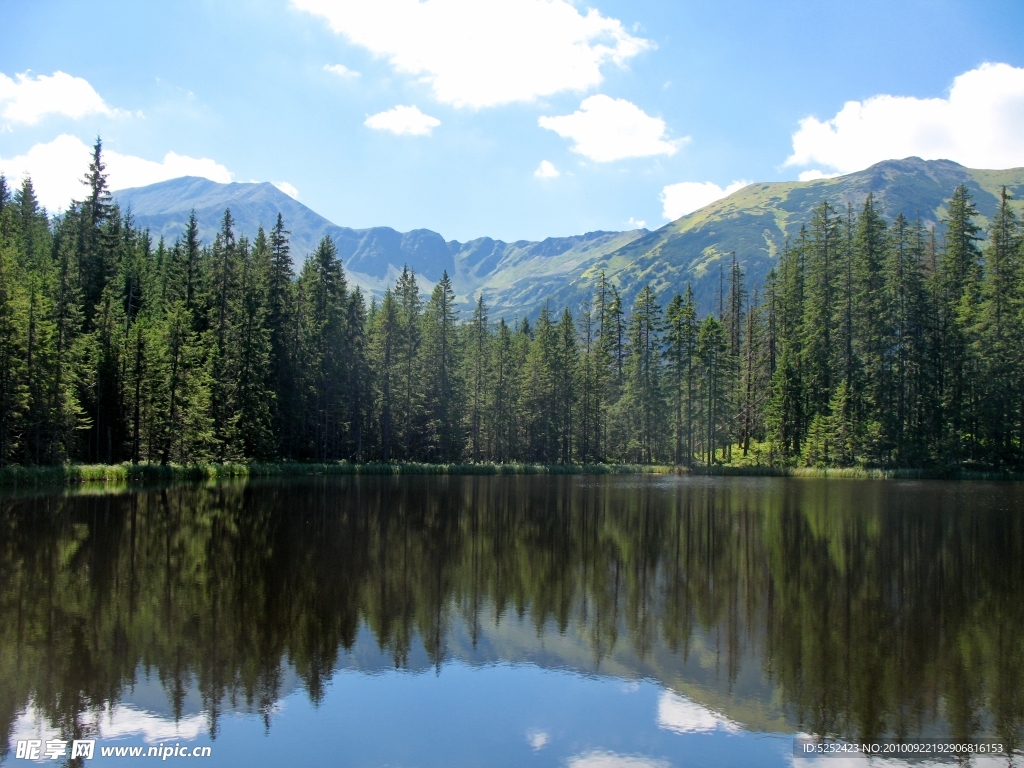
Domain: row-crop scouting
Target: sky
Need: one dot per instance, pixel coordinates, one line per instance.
(514, 119)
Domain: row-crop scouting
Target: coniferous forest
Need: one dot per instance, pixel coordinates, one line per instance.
(872, 343)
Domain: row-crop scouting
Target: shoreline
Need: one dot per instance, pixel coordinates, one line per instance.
(152, 474)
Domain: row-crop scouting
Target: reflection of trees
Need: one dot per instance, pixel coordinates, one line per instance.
(876, 608)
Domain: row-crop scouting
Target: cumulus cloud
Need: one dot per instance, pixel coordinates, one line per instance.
(546, 170)
(341, 70)
(606, 129)
(978, 125)
(815, 174)
(403, 120)
(287, 188)
(688, 196)
(58, 167)
(477, 54)
(27, 99)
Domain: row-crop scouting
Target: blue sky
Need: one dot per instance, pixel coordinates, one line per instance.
(517, 119)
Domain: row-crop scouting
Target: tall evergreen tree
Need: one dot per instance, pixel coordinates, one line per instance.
(443, 393)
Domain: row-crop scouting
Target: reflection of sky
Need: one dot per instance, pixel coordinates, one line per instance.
(494, 714)
(471, 715)
(510, 715)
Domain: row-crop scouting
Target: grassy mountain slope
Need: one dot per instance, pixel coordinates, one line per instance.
(755, 221)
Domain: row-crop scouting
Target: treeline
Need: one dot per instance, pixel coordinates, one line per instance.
(870, 343)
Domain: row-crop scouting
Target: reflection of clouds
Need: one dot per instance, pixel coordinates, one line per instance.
(114, 723)
(601, 759)
(32, 725)
(124, 720)
(631, 687)
(681, 715)
(537, 739)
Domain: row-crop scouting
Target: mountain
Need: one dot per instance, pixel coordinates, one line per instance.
(754, 222)
(519, 277)
(165, 207)
(523, 272)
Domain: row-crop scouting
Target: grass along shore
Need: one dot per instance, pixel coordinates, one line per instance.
(154, 474)
(143, 474)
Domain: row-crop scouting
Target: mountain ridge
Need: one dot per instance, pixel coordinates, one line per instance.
(517, 277)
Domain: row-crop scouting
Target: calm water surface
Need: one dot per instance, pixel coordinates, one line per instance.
(588, 622)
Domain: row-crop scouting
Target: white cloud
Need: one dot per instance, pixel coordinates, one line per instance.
(546, 170)
(635, 224)
(287, 188)
(476, 54)
(403, 120)
(688, 196)
(58, 167)
(341, 70)
(602, 759)
(606, 129)
(27, 99)
(814, 174)
(978, 125)
(681, 715)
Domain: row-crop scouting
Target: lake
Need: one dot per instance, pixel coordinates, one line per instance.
(580, 621)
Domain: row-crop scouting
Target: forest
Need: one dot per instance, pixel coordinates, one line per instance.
(871, 343)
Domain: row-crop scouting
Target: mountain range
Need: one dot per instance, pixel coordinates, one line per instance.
(519, 277)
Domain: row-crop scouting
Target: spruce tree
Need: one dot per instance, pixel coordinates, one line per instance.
(443, 386)
(643, 394)
(960, 283)
(409, 400)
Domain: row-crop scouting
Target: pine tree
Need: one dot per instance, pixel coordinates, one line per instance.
(712, 348)
(358, 379)
(997, 337)
(587, 346)
(818, 332)
(13, 389)
(960, 282)
(785, 419)
(252, 395)
(478, 357)
(384, 330)
(905, 299)
(325, 299)
(504, 402)
(273, 254)
(540, 391)
(566, 372)
(643, 395)
(443, 385)
(223, 366)
(409, 401)
(872, 329)
(681, 349)
(95, 260)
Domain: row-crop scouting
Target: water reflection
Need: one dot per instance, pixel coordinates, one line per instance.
(860, 609)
